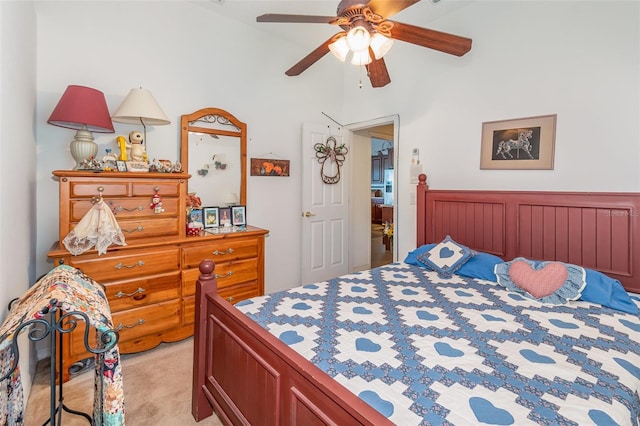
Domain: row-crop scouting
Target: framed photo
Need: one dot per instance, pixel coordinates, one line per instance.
(518, 144)
(211, 219)
(238, 215)
(224, 216)
(121, 166)
(195, 216)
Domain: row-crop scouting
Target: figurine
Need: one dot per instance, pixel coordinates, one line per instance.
(138, 151)
(109, 160)
(156, 203)
(122, 144)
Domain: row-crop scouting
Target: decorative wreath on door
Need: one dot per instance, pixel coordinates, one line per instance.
(330, 154)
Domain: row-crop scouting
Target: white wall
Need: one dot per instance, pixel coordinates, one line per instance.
(577, 59)
(189, 58)
(360, 202)
(17, 157)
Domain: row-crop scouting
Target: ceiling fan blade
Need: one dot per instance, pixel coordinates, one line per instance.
(386, 8)
(310, 59)
(378, 73)
(305, 19)
(444, 42)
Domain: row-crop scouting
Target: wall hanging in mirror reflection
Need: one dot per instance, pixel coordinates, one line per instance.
(269, 167)
(217, 164)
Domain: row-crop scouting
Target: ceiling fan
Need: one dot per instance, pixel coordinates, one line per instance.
(367, 35)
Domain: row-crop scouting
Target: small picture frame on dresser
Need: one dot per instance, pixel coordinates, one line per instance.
(224, 216)
(196, 217)
(121, 166)
(211, 219)
(238, 215)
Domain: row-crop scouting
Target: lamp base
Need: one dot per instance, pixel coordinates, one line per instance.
(83, 147)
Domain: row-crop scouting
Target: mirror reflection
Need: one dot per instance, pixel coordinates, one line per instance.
(213, 150)
(214, 164)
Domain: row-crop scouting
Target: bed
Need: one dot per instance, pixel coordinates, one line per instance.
(469, 348)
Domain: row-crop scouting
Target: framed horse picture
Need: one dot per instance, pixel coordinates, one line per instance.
(521, 143)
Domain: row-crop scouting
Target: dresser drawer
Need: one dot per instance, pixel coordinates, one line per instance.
(233, 294)
(145, 228)
(240, 292)
(123, 188)
(125, 208)
(228, 274)
(130, 324)
(127, 264)
(164, 188)
(153, 227)
(220, 251)
(150, 319)
(138, 207)
(111, 188)
(231, 273)
(134, 293)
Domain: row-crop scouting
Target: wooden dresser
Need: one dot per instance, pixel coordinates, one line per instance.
(150, 282)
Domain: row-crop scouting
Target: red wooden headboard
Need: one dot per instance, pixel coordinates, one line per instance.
(597, 230)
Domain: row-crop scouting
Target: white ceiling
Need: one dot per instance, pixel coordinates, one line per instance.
(312, 35)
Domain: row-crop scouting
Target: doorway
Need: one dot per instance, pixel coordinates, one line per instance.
(382, 195)
(375, 144)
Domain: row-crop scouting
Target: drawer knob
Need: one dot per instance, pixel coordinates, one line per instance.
(133, 209)
(220, 252)
(230, 299)
(135, 324)
(121, 294)
(228, 274)
(122, 265)
(139, 228)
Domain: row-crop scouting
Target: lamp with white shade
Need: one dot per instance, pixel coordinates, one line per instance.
(140, 107)
(231, 199)
(85, 110)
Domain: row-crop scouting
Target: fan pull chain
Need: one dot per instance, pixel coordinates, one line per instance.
(360, 82)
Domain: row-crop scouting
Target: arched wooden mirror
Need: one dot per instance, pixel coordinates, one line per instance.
(213, 149)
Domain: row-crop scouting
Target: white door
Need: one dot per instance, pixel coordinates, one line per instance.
(325, 207)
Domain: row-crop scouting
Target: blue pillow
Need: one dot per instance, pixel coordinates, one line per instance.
(480, 266)
(446, 257)
(412, 256)
(607, 291)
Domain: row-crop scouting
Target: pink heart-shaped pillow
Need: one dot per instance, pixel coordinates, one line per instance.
(538, 283)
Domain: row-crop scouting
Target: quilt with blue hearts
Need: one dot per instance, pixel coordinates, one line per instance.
(425, 350)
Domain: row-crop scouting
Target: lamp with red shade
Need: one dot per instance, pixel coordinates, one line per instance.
(85, 110)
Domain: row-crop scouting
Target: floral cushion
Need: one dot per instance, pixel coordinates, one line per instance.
(446, 257)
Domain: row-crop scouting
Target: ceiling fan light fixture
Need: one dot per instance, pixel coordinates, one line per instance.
(358, 39)
(380, 45)
(361, 58)
(340, 48)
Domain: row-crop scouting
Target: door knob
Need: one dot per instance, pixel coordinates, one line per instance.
(308, 214)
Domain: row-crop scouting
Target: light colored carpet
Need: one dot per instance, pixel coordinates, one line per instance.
(157, 389)
(379, 255)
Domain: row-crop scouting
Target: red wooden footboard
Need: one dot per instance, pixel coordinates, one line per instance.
(248, 376)
(597, 230)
